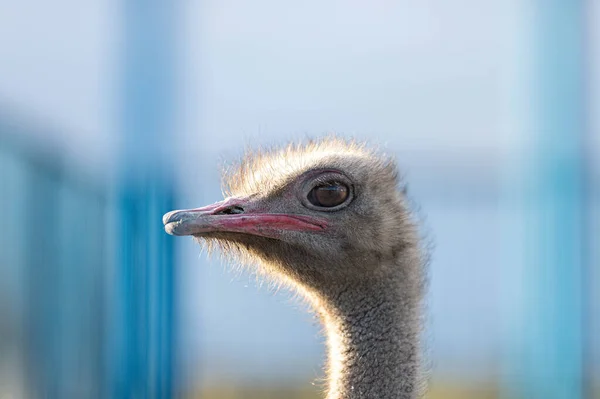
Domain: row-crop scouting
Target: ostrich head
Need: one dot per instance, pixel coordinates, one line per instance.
(321, 215)
(329, 219)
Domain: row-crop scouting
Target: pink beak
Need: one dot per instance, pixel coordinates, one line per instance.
(229, 216)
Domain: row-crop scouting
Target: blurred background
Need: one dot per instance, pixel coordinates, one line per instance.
(114, 112)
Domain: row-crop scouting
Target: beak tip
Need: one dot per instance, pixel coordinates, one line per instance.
(167, 216)
(170, 228)
(170, 222)
(179, 223)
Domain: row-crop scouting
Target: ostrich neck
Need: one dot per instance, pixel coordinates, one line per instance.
(372, 334)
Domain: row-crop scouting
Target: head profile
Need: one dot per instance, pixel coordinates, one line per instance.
(329, 209)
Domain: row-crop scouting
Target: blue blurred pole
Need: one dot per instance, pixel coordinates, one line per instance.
(43, 305)
(144, 348)
(549, 363)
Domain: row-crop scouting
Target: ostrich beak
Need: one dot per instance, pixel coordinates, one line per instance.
(230, 216)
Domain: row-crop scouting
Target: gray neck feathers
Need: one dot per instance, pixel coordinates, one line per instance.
(372, 332)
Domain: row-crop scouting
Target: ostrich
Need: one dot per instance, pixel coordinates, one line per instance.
(327, 219)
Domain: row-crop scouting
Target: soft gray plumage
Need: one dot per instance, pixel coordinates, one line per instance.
(358, 264)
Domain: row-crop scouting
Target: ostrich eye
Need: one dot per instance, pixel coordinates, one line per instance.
(328, 195)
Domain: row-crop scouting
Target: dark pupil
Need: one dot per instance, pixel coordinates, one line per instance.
(329, 195)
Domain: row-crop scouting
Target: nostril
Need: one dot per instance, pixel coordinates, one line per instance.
(231, 210)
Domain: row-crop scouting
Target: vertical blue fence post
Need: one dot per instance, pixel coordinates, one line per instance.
(144, 348)
(43, 277)
(549, 362)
